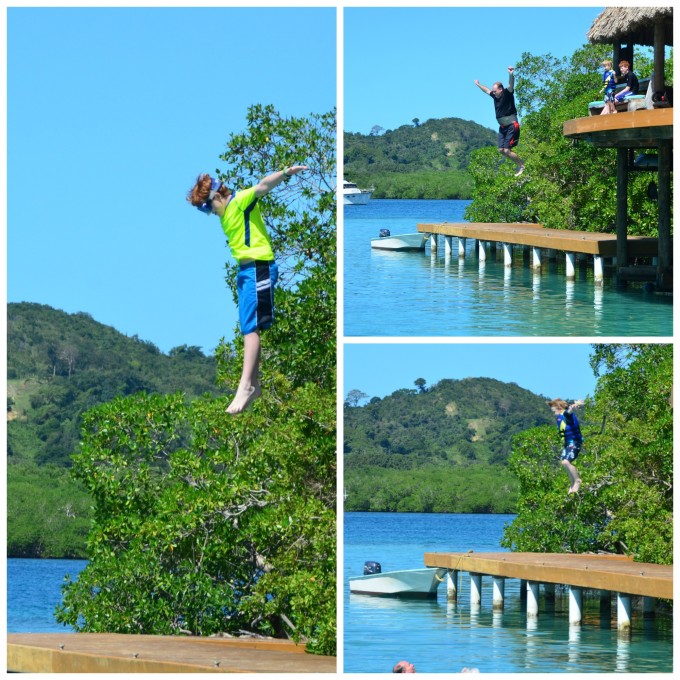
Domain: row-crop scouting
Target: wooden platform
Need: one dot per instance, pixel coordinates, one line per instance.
(537, 236)
(645, 128)
(603, 572)
(112, 653)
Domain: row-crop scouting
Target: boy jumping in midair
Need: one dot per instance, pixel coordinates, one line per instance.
(250, 245)
(572, 440)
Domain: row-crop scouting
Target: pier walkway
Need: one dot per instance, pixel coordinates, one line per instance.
(538, 238)
(116, 653)
(606, 573)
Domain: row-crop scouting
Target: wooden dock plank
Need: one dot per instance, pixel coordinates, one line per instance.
(116, 653)
(605, 572)
(537, 236)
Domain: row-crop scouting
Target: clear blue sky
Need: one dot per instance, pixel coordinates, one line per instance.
(111, 115)
(421, 62)
(553, 370)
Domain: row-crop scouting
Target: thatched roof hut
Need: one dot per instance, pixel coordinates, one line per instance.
(631, 24)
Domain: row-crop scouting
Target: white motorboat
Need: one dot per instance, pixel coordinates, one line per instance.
(405, 583)
(386, 241)
(352, 195)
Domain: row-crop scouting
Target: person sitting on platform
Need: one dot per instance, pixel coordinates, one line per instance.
(404, 667)
(572, 439)
(632, 84)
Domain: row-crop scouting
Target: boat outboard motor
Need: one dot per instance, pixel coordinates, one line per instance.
(384, 233)
(372, 568)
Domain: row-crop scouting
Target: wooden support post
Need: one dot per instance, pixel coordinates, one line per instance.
(475, 588)
(575, 606)
(571, 269)
(447, 245)
(433, 243)
(623, 613)
(664, 180)
(535, 258)
(532, 598)
(507, 254)
(498, 592)
(622, 207)
(648, 604)
(452, 585)
(598, 270)
(461, 247)
(482, 250)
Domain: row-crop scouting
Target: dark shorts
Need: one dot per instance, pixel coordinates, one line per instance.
(570, 451)
(508, 135)
(255, 283)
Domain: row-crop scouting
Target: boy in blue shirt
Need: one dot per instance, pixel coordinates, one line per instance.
(572, 439)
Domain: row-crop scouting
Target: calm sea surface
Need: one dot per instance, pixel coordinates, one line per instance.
(417, 294)
(33, 592)
(439, 637)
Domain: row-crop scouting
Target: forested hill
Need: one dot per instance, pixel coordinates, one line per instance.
(438, 449)
(59, 365)
(427, 160)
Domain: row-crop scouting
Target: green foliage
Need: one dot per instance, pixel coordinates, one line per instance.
(48, 514)
(452, 440)
(625, 504)
(208, 523)
(567, 185)
(205, 522)
(427, 160)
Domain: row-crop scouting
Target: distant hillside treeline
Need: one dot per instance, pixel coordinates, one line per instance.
(442, 449)
(427, 160)
(58, 366)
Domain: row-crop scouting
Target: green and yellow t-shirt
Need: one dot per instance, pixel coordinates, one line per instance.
(244, 228)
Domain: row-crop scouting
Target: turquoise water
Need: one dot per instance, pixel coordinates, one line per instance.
(33, 592)
(439, 637)
(420, 294)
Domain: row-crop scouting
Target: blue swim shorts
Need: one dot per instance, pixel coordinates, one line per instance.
(255, 283)
(570, 451)
(508, 135)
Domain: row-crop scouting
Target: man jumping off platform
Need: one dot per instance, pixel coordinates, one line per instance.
(250, 245)
(506, 115)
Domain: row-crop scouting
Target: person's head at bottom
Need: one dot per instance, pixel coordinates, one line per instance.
(404, 667)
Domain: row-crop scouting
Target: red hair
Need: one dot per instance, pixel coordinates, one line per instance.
(624, 63)
(200, 192)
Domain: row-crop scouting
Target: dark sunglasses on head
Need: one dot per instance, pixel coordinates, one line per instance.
(206, 207)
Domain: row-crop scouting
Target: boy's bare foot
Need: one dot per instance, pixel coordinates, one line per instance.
(244, 397)
(577, 486)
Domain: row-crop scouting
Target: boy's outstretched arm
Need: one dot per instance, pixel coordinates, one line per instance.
(575, 405)
(266, 184)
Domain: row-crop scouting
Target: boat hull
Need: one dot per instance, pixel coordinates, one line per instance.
(400, 242)
(421, 583)
(360, 198)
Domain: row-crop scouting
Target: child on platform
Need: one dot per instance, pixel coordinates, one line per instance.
(572, 439)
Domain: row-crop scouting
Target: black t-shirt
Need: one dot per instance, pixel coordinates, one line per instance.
(632, 82)
(505, 104)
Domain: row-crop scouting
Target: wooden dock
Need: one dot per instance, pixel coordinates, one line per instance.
(115, 653)
(539, 239)
(606, 573)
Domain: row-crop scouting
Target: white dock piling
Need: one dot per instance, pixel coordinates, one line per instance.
(507, 254)
(475, 588)
(623, 613)
(571, 268)
(498, 592)
(482, 250)
(532, 599)
(461, 247)
(447, 245)
(575, 606)
(535, 258)
(433, 243)
(598, 270)
(452, 585)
